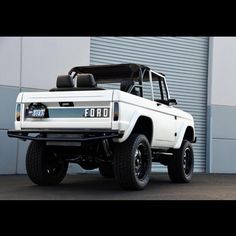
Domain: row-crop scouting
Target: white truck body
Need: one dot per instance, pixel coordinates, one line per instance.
(120, 131)
(167, 120)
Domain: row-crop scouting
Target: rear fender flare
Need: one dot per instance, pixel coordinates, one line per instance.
(127, 132)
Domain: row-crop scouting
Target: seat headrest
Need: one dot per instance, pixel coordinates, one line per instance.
(65, 81)
(86, 80)
(126, 84)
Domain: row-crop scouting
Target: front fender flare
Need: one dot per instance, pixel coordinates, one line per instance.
(180, 136)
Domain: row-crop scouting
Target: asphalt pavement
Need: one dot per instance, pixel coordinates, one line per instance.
(92, 186)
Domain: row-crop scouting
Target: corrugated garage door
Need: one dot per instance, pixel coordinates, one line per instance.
(184, 60)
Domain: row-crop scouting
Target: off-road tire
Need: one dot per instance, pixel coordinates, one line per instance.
(126, 155)
(177, 170)
(40, 164)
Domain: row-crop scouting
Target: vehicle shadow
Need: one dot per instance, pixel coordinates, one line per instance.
(93, 187)
(94, 182)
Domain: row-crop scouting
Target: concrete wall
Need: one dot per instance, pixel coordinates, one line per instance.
(222, 105)
(32, 64)
(45, 58)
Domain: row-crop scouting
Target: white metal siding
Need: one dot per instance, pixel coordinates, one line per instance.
(184, 61)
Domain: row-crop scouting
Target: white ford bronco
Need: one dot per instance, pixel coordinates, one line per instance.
(117, 118)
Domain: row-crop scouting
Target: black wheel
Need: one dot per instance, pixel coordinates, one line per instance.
(180, 168)
(43, 166)
(132, 162)
(106, 170)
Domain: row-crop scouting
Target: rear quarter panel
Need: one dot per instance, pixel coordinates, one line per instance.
(131, 107)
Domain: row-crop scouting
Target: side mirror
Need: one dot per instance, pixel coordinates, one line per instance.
(172, 102)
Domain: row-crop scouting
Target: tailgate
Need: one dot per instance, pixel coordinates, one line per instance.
(73, 109)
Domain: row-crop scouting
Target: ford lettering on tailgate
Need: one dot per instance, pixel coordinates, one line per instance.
(96, 112)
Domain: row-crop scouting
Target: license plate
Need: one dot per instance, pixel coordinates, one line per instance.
(38, 113)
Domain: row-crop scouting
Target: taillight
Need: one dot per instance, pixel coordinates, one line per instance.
(18, 106)
(116, 111)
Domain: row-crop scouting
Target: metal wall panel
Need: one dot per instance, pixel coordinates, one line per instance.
(7, 106)
(184, 61)
(8, 154)
(10, 54)
(223, 139)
